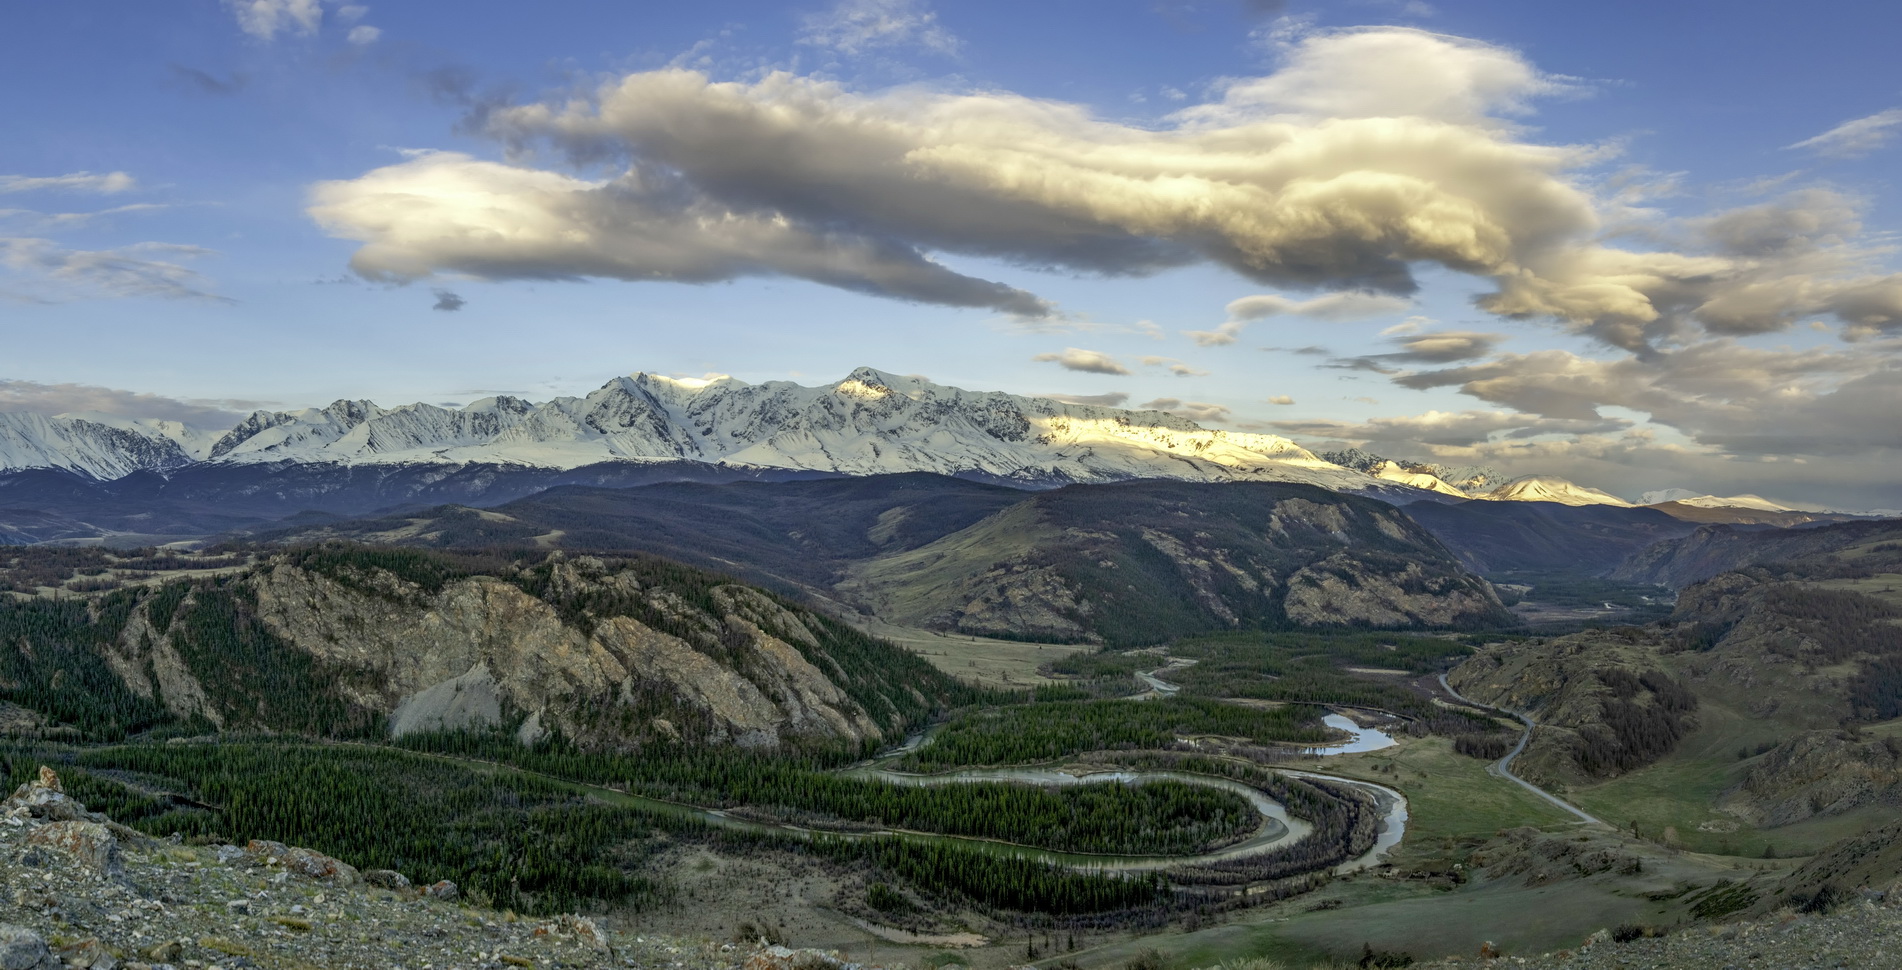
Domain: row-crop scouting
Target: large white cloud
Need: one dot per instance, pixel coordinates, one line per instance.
(447, 211)
(1368, 152)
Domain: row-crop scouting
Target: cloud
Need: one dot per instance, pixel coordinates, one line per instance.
(19, 395)
(1086, 361)
(265, 19)
(1176, 367)
(446, 211)
(205, 83)
(29, 220)
(1367, 154)
(447, 300)
(1358, 363)
(1461, 428)
(110, 183)
(51, 273)
(1854, 139)
(1722, 394)
(1221, 336)
(1193, 410)
(1443, 347)
(1282, 399)
(1113, 399)
(1352, 305)
(853, 27)
(1312, 350)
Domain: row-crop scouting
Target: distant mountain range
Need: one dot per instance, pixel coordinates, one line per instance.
(92, 475)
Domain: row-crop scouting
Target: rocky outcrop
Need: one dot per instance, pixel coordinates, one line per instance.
(89, 845)
(1343, 590)
(1818, 773)
(167, 905)
(1138, 563)
(1604, 702)
(481, 646)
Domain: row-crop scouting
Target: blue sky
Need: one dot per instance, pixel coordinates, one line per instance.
(1677, 220)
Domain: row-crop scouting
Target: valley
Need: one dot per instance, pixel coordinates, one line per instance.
(981, 725)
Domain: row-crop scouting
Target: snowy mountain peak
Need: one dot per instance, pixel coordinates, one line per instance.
(1684, 496)
(1546, 488)
(869, 422)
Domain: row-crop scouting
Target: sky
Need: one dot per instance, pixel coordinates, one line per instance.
(1639, 246)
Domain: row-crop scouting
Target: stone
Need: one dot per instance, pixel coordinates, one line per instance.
(303, 862)
(23, 949)
(45, 798)
(88, 955)
(386, 878)
(165, 952)
(445, 891)
(90, 844)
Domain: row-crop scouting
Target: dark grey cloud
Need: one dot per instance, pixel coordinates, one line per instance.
(447, 300)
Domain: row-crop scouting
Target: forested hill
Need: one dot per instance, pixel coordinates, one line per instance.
(1125, 563)
(352, 641)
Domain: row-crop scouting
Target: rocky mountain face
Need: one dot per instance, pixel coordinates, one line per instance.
(869, 423)
(1818, 773)
(96, 449)
(1134, 562)
(1142, 562)
(1606, 704)
(1711, 550)
(338, 640)
(1492, 537)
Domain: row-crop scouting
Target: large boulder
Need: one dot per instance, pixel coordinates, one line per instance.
(303, 862)
(90, 844)
(45, 798)
(22, 949)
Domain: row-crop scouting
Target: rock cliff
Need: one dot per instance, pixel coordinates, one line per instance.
(344, 640)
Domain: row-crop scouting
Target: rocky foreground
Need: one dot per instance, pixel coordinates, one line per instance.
(1865, 934)
(83, 891)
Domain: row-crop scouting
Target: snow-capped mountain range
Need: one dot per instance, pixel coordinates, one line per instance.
(869, 423)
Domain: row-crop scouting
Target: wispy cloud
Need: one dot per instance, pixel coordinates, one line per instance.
(42, 271)
(1854, 139)
(1348, 305)
(1112, 399)
(19, 395)
(106, 184)
(265, 20)
(854, 27)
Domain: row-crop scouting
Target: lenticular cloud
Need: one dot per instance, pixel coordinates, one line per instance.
(1369, 152)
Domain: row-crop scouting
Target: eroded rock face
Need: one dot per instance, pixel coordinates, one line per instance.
(1344, 590)
(481, 647)
(89, 844)
(1818, 773)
